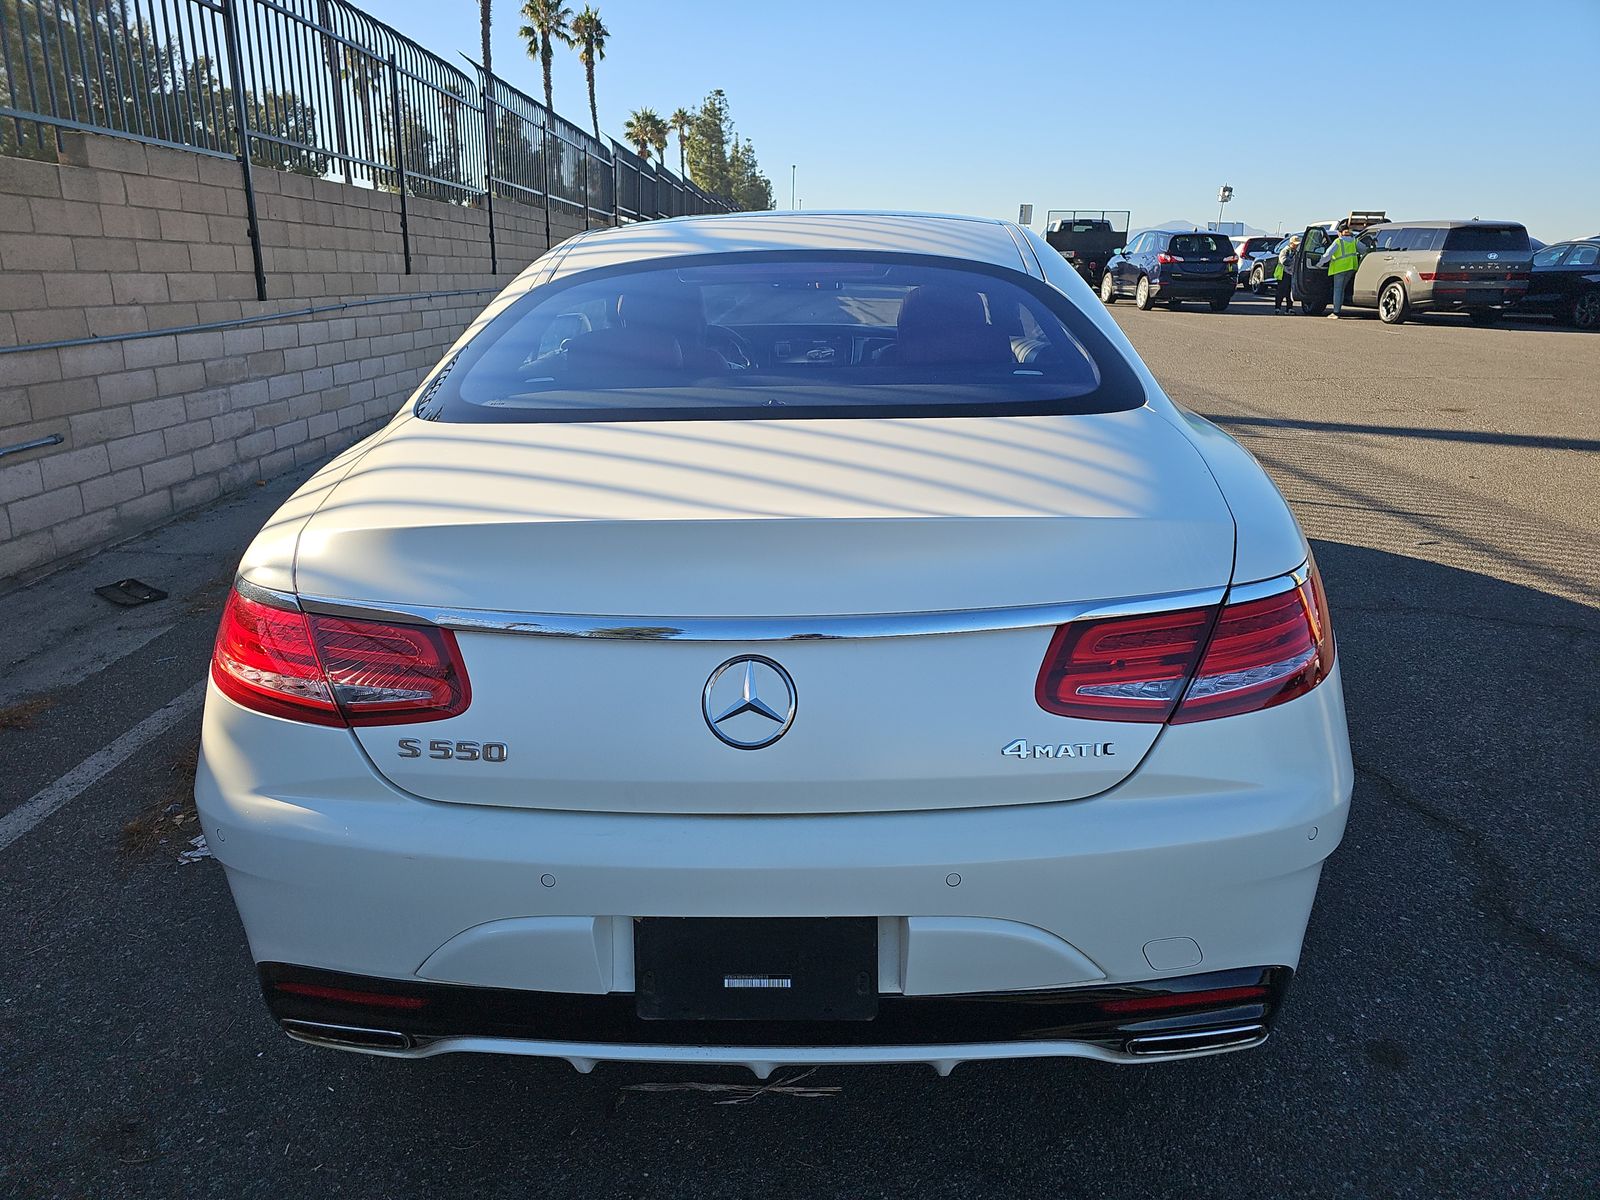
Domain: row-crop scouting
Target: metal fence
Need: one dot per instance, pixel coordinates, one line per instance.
(317, 88)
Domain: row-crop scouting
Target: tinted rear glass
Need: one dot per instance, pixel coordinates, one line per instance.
(1201, 243)
(1488, 237)
(784, 335)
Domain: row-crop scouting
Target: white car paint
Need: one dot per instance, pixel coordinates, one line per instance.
(891, 798)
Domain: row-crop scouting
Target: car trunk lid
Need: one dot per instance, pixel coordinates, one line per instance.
(679, 546)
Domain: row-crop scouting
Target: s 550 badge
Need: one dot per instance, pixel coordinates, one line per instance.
(489, 752)
(1025, 749)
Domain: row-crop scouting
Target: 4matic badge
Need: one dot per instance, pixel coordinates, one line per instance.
(1025, 749)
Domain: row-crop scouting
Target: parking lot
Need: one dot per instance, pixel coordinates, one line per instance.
(1439, 1040)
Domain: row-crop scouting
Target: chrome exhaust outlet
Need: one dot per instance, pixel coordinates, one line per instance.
(1200, 1039)
(347, 1036)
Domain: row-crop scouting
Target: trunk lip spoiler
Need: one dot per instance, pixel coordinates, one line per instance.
(772, 628)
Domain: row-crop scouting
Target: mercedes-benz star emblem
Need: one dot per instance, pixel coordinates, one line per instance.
(749, 702)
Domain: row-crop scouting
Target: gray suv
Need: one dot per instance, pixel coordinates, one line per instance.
(1477, 267)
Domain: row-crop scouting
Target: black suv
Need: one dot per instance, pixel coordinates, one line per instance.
(1161, 264)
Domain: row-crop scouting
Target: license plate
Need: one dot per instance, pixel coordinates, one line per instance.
(756, 969)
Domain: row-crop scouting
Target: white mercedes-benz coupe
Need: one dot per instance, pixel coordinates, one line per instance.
(781, 638)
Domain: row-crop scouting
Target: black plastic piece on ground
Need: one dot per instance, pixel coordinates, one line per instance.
(129, 593)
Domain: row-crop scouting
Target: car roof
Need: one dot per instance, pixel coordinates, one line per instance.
(1441, 224)
(979, 239)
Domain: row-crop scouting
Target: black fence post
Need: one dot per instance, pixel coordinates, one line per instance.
(400, 159)
(487, 96)
(241, 131)
(544, 157)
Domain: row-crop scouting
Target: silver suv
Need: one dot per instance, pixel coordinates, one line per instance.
(1477, 267)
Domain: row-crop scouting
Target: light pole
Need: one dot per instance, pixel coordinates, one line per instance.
(792, 169)
(1223, 196)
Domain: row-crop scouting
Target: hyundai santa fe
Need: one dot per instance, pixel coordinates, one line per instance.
(781, 638)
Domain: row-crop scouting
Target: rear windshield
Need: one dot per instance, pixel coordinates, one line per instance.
(1201, 243)
(1488, 237)
(728, 336)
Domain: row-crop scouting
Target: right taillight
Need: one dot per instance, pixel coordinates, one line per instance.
(278, 660)
(1252, 654)
(1262, 652)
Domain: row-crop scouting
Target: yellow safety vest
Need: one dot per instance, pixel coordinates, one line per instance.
(1346, 256)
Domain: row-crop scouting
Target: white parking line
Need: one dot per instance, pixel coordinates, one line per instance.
(78, 780)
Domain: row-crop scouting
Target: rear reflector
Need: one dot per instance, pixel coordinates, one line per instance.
(336, 670)
(1172, 1001)
(1251, 655)
(338, 995)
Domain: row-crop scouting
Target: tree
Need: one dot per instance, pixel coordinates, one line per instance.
(590, 33)
(710, 130)
(640, 130)
(748, 188)
(548, 22)
(680, 120)
(659, 130)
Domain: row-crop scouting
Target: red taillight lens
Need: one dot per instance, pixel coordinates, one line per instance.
(1262, 653)
(1168, 258)
(336, 670)
(1122, 668)
(1231, 260)
(264, 659)
(1257, 653)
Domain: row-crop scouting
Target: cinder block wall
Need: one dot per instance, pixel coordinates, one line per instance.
(118, 237)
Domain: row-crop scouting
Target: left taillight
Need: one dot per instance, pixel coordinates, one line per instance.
(328, 670)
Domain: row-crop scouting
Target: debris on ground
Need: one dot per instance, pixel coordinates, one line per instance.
(129, 592)
(21, 716)
(197, 850)
(743, 1093)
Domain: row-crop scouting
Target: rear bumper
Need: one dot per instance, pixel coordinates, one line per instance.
(1207, 859)
(1197, 289)
(939, 1031)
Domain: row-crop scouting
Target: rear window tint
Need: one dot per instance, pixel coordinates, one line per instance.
(784, 335)
(1488, 237)
(1201, 243)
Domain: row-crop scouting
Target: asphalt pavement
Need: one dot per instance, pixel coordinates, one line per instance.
(1439, 1041)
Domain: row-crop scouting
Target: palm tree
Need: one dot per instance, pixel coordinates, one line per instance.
(680, 120)
(658, 136)
(483, 33)
(640, 130)
(549, 22)
(590, 33)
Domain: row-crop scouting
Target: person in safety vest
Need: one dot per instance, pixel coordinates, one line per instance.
(1283, 273)
(1342, 258)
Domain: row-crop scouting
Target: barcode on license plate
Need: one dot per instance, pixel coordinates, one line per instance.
(756, 981)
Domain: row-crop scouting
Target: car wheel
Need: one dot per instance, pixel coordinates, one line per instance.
(1219, 303)
(1108, 289)
(1485, 316)
(1141, 294)
(1313, 308)
(1586, 310)
(1258, 280)
(1393, 306)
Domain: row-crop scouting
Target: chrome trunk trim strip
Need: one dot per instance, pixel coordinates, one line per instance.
(761, 629)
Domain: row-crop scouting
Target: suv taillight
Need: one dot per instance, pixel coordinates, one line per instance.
(1252, 654)
(336, 670)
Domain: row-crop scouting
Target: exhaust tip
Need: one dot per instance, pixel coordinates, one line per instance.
(347, 1036)
(1201, 1039)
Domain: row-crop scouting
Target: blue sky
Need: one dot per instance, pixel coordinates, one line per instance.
(1446, 109)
